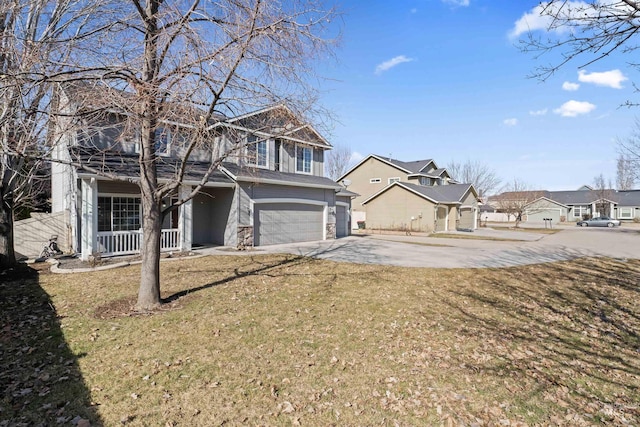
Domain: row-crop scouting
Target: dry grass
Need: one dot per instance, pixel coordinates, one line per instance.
(283, 340)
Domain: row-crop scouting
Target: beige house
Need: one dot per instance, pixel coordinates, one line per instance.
(418, 196)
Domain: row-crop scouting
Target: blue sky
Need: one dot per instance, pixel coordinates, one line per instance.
(443, 79)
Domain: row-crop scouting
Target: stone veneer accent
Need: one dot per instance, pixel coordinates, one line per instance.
(331, 231)
(245, 237)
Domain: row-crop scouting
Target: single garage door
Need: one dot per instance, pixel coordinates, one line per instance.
(276, 223)
(539, 215)
(341, 221)
(466, 219)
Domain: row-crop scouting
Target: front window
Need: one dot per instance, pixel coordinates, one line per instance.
(625, 213)
(303, 159)
(118, 213)
(162, 140)
(256, 151)
(579, 211)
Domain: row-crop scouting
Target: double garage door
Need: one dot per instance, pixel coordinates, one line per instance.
(540, 214)
(275, 223)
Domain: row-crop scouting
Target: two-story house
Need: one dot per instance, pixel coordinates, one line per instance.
(268, 187)
(416, 195)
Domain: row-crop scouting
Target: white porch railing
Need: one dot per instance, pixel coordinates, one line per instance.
(111, 243)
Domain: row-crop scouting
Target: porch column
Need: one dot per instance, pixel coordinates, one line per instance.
(185, 219)
(89, 220)
(593, 209)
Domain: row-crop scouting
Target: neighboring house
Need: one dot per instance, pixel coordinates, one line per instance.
(561, 206)
(272, 190)
(418, 196)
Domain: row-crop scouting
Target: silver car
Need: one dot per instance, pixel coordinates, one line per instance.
(600, 221)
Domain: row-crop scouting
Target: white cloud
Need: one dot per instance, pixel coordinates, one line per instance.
(574, 108)
(613, 78)
(380, 68)
(570, 86)
(457, 2)
(510, 122)
(538, 112)
(541, 17)
(530, 21)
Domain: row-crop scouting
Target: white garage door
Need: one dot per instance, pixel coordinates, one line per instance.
(276, 223)
(341, 221)
(539, 215)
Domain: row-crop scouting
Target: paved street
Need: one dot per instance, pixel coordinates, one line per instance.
(420, 251)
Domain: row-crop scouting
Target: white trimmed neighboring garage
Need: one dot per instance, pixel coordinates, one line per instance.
(288, 221)
(543, 208)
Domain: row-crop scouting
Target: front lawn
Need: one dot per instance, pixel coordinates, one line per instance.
(285, 340)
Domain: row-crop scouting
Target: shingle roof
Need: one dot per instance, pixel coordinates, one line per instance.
(283, 178)
(446, 194)
(413, 167)
(452, 193)
(126, 166)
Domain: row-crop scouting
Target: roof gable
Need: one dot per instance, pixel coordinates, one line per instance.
(406, 167)
(446, 194)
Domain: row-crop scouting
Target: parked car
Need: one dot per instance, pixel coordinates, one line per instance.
(600, 221)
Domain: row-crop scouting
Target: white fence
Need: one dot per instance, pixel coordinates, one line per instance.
(112, 243)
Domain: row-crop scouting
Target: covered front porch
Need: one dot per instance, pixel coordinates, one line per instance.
(110, 221)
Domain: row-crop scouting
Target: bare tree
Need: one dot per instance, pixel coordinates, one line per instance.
(36, 38)
(190, 65)
(483, 178)
(604, 193)
(514, 199)
(625, 173)
(338, 161)
(583, 30)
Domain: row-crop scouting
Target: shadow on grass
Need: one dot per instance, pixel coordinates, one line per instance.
(570, 324)
(238, 273)
(40, 380)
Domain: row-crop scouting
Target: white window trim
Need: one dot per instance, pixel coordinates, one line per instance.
(630, 212)
(310, 160)
(393, 179)
(375, 181)
(120, 195)
(254, 163)
(167, 131)
(582, 208)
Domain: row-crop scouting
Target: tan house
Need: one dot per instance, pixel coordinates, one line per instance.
(418, 196)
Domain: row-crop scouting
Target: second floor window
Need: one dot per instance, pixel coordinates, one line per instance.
(162, 140)
(256, 151)
(303, 159)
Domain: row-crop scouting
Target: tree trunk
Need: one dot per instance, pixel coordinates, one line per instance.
(149, 291)
(7, 254)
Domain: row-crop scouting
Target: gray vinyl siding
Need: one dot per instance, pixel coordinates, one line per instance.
(288, 159)
(213, 217)
(318, 163)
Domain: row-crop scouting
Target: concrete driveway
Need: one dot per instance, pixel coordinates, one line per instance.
(418, 251)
